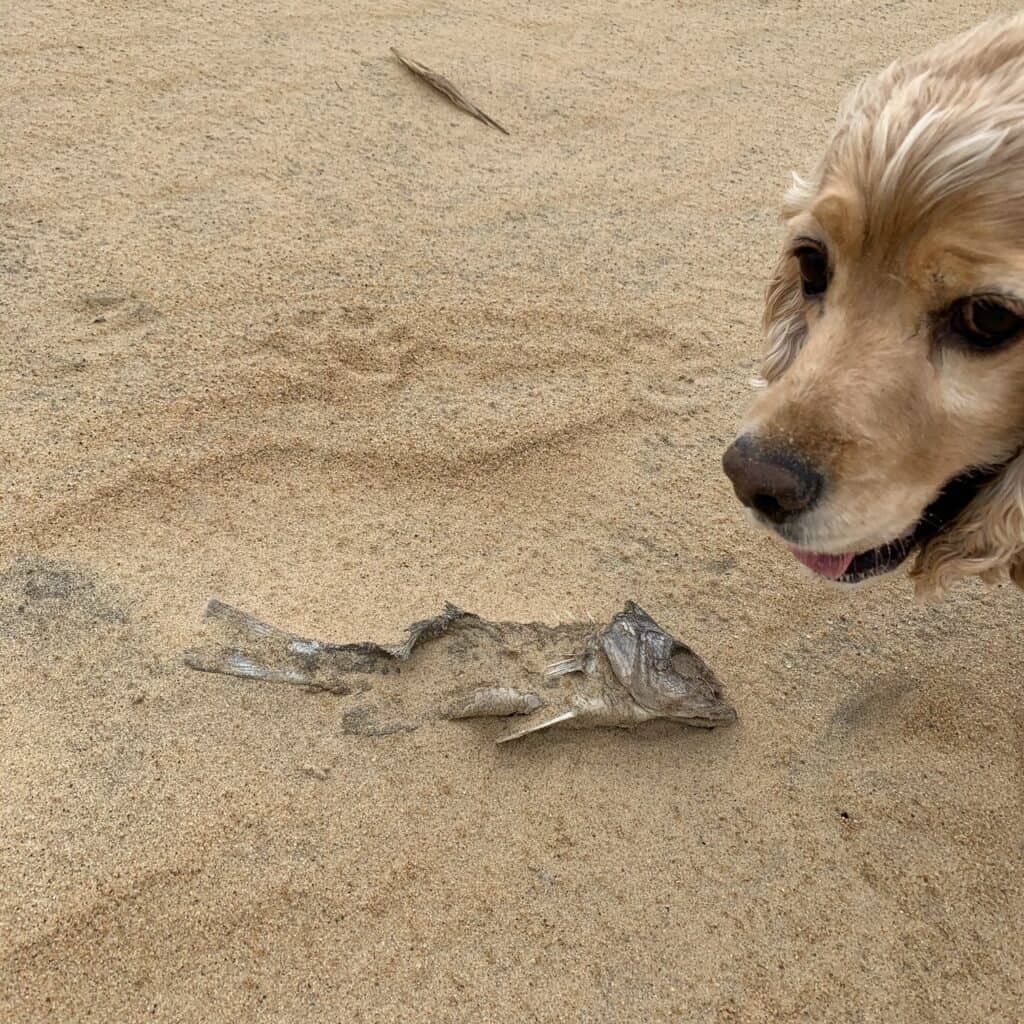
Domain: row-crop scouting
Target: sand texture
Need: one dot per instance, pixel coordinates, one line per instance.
(283, 326)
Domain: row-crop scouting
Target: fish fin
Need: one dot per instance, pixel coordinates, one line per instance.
(231, 662)
(544, 723)
(243, 623)
(566, 666)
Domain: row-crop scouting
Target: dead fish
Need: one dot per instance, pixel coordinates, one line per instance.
(629, 672)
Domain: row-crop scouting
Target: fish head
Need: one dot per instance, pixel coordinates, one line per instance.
(689, 690)
(662, 675)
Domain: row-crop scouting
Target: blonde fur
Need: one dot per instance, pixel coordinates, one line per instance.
(919, 199)
(986, 541)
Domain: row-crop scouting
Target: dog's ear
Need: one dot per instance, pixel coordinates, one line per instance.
(784, 325)
(985, 541)
(1017, 573)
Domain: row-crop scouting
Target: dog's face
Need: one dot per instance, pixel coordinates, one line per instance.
(895, 321)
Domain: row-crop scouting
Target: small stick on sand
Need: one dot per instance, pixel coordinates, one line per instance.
(443, 86)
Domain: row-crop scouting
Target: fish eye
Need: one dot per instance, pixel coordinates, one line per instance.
(814, 270)
(985, 322)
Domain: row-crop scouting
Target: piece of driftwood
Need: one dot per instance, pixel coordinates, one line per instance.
(458, 665)
(443, 86)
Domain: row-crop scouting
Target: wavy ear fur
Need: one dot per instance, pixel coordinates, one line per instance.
(784, 323)
(986, 541)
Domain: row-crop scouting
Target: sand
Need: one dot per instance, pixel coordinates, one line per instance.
(282, 326)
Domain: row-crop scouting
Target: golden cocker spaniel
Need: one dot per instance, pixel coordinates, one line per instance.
(891, 422)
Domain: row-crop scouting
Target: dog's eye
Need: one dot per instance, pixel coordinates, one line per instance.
(813, 269)
(985, 323)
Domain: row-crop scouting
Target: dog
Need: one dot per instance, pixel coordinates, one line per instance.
(891, 421)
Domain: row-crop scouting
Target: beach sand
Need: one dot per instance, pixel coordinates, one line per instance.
(282, 326)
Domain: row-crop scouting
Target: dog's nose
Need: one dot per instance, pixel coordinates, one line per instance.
(777, 484)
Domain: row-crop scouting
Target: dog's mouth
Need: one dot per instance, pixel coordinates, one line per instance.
(854, 566)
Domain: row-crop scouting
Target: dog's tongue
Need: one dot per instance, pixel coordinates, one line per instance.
(830, 566)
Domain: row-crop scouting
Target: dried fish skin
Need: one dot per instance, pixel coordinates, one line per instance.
(493, 702)
(628, 672)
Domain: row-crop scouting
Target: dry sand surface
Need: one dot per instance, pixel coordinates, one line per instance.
(282, 325)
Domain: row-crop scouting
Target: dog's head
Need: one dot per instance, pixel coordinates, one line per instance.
(892, 420)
